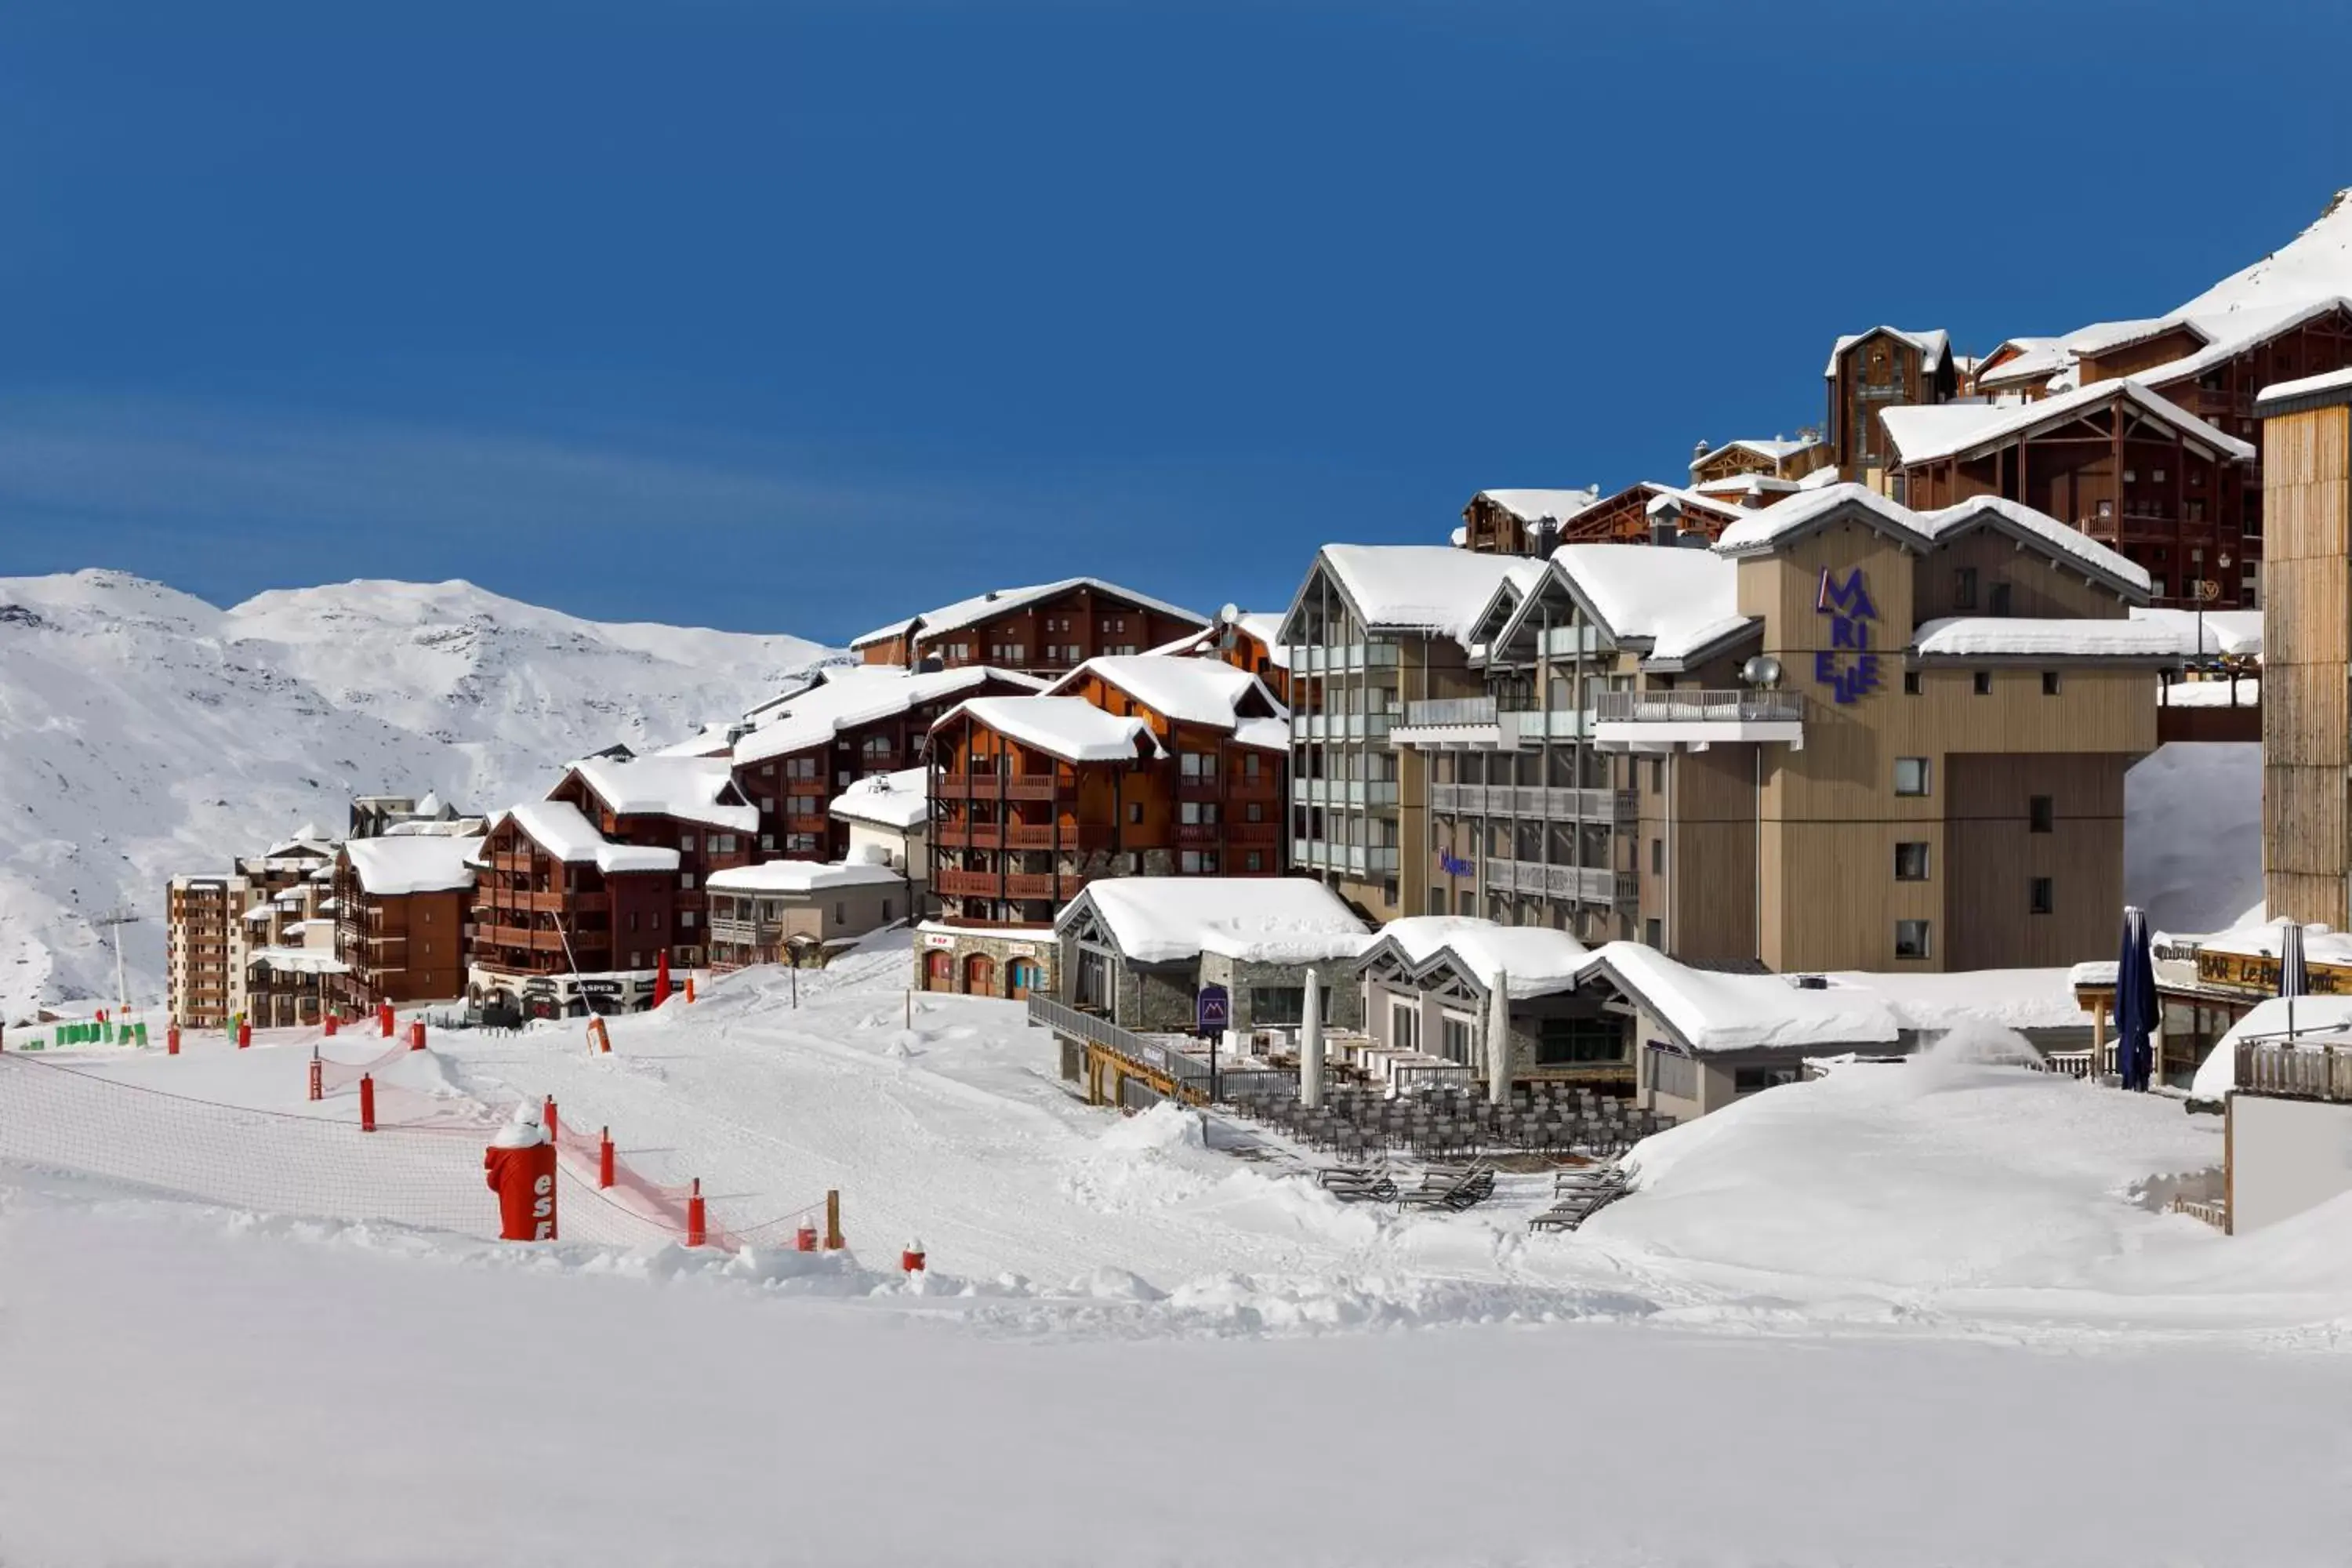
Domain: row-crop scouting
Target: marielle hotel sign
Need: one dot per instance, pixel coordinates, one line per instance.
(1849, 666)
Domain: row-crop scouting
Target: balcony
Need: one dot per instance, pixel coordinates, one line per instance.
(1484, 724)
(1346, 860)
(991, 786)
(1344, 659)
(1075, 837)
(1584, 884)
(1554, 803)
(1357, 792)
(1660, 719)
(1346, 726)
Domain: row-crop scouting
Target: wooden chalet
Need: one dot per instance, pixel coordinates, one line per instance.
(1777, 458)
(1044, 630)
(401, 905)
(578, 896)
(854, 724)
(2116, 460)
(1628, 517)
(1246, 641)
(1520, 522)
(1131, 766)
(1883, 368)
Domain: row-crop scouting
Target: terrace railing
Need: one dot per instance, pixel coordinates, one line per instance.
(2283, 1072)
(1681, 705)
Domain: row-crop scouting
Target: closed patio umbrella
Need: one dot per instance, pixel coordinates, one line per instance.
(1498, 1040)
(2295, 980)
(2135, 1002)
(1310, 1043)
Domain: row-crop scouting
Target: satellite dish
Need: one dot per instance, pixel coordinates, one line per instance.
(1763, 672)
(1229, 613)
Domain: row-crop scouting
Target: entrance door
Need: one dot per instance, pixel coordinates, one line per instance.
(979, 975)
(938, 971)
(1020, 978)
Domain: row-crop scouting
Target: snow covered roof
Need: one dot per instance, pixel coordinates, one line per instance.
(1995, 636)
(259, 911)
(1427, 588)
(1537, 960)
(1538, 506)
(1932, 345)
(858, 695)
(800, 876)
(1820, 479)
(2261, 939)
(2228, 334)
(430, 805)
(1776, 449)
(2008, 998)
(685, 788)
(2328, 387)
(1264, 734)
(1255, 919)
(1949, 429)
(1006, 601)
(1762, 532)
(389, 866)
(900, 800)
(558, 828)
(1706, 1010)
(1070, 728)
(298, 961)
(1206, 691)
(2037, 358)
(1748, 485)
(306, 840)
(1649, 591)
(2235, 632)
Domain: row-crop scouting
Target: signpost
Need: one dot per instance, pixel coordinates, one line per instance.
(1212, 1014)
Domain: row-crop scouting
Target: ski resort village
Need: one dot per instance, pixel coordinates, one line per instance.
(1798, 1010)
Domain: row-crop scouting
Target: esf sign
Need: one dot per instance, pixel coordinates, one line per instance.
(1453, 865)
(1849, 666)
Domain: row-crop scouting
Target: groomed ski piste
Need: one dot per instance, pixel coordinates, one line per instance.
(1934, 1311)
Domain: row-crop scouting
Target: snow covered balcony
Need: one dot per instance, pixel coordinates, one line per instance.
(1551, 803)
(1484, 724)
(1680, 716)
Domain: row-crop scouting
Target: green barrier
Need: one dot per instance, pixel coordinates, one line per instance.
(142, 1034)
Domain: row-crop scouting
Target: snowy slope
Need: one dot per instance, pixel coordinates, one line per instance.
(2193, 835)
(2315, 265)
(145, 732)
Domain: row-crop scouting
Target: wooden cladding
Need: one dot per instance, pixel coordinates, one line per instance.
(2307, 663)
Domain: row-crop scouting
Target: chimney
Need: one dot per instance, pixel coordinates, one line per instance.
(1698, 451)
(1666, 519)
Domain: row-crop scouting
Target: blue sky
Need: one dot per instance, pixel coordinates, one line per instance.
(794, 318)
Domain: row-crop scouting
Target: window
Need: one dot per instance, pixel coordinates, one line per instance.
(1198, 812)
(2043, 895)
(1197, 766)
(1754, 1080)
(1135, 811)
(2162, 586)
(1657, 857)
(767, 842)
(1910, 683)
(1199, 863)
(1653, 933)
(1911, 775)
(1404, 1025)
(841, 914)
(2049, 683)
(1910, 939)
(1255, 861)
(1657, 775)
(2041, 814)
(1998, 602)
(1565, 1042)
(1249, 765)
(1671, 1072)
(686, 880)
(633, 920)
(1911, 862)
(686, 919)
(1457, 1038)
(878, 746)
(1964, 588)
(1982, 680)
(1254, 812)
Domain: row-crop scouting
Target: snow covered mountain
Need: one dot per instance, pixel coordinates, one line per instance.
(2315, 265)
(145, 732)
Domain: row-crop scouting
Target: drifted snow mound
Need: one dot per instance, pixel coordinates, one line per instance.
(1166, 1126)
(1979, 1045)
(151, 734)
(1910, 1175)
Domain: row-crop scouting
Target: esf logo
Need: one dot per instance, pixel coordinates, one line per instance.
(1848, 666)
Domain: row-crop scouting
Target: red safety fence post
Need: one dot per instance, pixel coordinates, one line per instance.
(911, 1260)
(804, 1238)
(330, 1025)
(689, 990)
(244, 1033)
(318, 1076)
(605, 1158)
(694, 1226)
(416, 1034)
(384, 1018)
(547, 1117)
(367, 1102)
(172, 1040)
